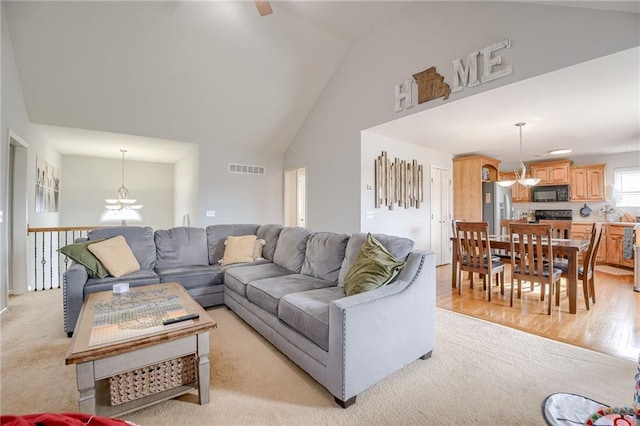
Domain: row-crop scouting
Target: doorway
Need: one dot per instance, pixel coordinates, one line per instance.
(441, 214)
(295, 197)
(17, 218)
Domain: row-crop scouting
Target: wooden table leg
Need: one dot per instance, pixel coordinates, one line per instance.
(203, 368)
(572, 282)
(454, 266)
(87, 387)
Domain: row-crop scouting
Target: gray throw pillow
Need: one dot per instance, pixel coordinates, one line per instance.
(324, 255)
(181, 246)
(270, 234)
(291, 248)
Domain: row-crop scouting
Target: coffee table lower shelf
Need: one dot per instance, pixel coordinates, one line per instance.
(93, 376)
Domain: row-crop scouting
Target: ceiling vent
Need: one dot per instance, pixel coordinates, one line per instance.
(246, 169)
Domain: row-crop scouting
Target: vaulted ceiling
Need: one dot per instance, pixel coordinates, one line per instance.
(190, 71)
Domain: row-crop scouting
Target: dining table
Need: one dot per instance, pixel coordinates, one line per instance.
(567, 248)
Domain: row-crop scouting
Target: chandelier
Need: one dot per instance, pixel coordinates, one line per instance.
(123, 208)
(521, 171)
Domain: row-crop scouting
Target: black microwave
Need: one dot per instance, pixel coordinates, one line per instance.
(550, 193)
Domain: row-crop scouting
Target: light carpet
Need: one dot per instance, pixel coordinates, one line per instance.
(480, 373)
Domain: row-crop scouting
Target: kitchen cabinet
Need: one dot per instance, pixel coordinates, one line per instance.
(468, 174)
(615, 236)
(551, 172)
(519, 193)
(587, 182)
(582, 231)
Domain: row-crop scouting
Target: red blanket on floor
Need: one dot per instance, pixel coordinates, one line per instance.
(63, 419)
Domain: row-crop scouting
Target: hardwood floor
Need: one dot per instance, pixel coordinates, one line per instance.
(611, 326)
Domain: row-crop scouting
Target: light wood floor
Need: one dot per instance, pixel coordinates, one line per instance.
(611, 326)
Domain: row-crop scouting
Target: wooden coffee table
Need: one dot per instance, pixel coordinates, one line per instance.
(126, 359)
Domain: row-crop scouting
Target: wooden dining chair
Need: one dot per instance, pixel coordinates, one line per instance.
(530, 245)
(586, 271)
(559, 228)
(504, 255)
(475, 255)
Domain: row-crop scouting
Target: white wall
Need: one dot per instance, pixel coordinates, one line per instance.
(411, 223)
(186, 183)
(238, 198)
(15, 118)
(85, 182)
(360, 94)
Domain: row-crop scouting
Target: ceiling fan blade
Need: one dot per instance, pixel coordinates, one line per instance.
(264, 8)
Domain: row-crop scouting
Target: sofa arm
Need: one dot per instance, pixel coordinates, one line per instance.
(73, 295)
(376, 333)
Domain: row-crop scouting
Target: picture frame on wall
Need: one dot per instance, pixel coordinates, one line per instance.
(47, 187)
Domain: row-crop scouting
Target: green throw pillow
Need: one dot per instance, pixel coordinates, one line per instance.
(80, 253)
(374, 267)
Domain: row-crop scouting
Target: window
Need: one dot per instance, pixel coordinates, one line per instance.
(627, 187)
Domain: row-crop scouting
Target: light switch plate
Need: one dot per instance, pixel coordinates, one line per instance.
(211, 213)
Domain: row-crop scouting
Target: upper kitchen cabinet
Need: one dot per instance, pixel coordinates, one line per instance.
(519, 192)
(551, 172)
(468, 175)
(588, 182)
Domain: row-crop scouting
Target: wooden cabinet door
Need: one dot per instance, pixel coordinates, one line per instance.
(559, 174)
(519, 193)
(594, 178)
(540, 172)
(578, 184)
(614, 249)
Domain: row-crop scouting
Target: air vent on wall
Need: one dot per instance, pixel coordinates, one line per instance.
(246, 169)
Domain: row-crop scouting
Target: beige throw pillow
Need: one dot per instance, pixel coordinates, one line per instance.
(239, 249)
(116, 256)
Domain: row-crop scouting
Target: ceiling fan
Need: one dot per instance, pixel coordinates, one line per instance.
(264, 8)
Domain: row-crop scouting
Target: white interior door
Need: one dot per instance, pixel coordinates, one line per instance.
(295, 197)
(441, 214)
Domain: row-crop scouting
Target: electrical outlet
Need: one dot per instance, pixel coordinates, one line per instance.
(369, 186)
(211, 213)
(369, 215)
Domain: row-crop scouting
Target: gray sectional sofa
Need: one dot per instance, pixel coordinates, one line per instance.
(293, 297)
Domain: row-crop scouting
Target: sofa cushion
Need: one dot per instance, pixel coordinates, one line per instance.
(266, 293)
(115, 255)
(139, 238)
(135, 279)
(291, 248)
(398, 246)
(374, 267)
(239, 249)
(79, 252)
(324, 255)
(308, 313)
(181, 246)
(270, 234)
(218, 234)
(237, 278)
(192, 276)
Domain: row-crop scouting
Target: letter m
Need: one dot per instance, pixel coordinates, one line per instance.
(465, 75)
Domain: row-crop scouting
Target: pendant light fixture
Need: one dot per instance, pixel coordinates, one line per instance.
(521, 171)
(121, 209)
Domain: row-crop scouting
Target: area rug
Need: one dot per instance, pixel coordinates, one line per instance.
(480, 373)
(612, 270)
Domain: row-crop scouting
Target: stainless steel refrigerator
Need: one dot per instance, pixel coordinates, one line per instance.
(496, 205)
